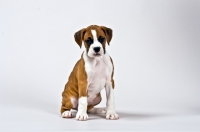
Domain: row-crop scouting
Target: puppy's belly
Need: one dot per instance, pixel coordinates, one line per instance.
(96, 86)
(93, 89)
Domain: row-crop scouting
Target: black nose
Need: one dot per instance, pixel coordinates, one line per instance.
(96, 49)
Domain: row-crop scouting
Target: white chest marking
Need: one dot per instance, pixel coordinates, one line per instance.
(98, 69)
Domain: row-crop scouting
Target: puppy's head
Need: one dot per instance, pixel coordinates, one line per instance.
(94, 38)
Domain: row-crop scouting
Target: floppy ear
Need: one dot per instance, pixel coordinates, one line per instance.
(108, 33)
(78, 36)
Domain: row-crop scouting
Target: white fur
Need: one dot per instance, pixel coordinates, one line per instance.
(99, 71)
(67, 114)
(82, 109)
(110, 114)
(94, 35)
(96, 43)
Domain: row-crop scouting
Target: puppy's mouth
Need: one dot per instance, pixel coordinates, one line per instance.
(96, 54)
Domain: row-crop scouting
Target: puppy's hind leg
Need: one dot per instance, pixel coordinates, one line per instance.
(67, 105)
(97, 110)
(94, 110)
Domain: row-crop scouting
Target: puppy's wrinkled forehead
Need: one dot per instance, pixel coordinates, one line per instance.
(93, 32)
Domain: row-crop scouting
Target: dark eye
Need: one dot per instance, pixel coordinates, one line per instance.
(101, 39)
(89, 41)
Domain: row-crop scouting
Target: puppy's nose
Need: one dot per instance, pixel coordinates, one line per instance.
(96, 49)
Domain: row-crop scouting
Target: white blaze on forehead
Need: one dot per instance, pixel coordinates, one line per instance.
(94, 35)
(95, 43)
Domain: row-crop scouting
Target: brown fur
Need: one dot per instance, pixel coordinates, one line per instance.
(113, 83)
(76, 86)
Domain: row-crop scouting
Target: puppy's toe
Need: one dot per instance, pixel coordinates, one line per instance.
(112, 116)
(81, 116)
(67, 114)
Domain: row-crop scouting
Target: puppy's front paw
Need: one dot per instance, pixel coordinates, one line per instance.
(67, 114)
(81, 116)
(112, 115)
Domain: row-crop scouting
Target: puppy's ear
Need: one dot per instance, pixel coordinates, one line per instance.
(78, 36)
(108, 33)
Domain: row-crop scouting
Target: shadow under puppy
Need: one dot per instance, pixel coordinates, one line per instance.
(93, 72)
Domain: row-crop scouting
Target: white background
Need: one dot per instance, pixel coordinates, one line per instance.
(155, 48)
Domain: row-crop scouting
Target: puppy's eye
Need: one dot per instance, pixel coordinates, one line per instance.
(101, 39)
(89, 41)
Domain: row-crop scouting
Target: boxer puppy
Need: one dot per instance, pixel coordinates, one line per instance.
(93, 72)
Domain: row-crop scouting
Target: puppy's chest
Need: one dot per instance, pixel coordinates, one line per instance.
(97, 75)
(97, 71)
